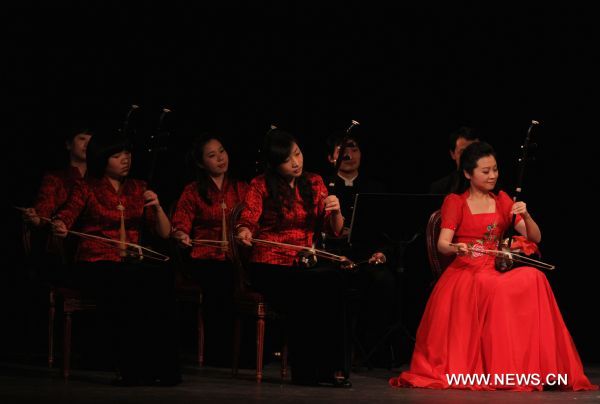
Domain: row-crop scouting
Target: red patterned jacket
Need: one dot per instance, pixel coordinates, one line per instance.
(55, 189)
(200, 220)
(94, 204)
(295, 226)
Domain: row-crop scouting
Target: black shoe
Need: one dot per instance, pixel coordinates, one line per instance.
(343, 383)
(336, 382)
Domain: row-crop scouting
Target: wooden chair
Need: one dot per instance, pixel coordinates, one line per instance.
(69, 300)
(250, 303)
(437, 261)
(190, 291)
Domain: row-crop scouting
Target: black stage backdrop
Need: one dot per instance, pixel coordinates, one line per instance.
(409, 75)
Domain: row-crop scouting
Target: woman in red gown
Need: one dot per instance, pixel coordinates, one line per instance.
(483, 329)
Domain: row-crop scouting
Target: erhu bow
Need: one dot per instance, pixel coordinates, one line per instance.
(130, 250)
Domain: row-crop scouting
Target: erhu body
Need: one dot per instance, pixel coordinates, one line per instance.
(504, 259)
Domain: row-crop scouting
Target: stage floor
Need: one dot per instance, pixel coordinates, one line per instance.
(21, 383)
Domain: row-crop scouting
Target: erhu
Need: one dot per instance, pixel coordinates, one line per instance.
(341, 149)
(504, 259)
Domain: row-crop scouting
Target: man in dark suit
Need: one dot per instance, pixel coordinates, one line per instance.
(457, 142)
(374, 285)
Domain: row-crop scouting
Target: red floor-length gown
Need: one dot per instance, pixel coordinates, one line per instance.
(479, 321)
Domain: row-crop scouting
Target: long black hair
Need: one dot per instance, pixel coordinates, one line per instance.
(101, 147)
(464, 132)
(277, 147)
(468, 162)
(195, 159)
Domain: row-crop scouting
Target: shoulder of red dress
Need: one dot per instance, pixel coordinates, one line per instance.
(456, 198)
(503, 195)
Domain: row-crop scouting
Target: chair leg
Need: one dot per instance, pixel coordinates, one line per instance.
(284, 358)
(200, 336)
(51, 317)
(67, 345)
(260, 342)
(236, 344)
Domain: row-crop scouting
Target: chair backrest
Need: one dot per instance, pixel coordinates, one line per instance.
(437, 261)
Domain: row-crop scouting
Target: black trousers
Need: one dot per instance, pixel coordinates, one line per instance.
(313, 301)
(137, 324)
(373, 290)
(216, 280)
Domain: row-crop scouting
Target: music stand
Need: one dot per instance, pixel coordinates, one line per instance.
(396, 220)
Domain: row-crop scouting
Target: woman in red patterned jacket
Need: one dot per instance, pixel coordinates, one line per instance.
(135, 299)
(200, 212)
(57, 185)
(53, 193)
(287, 204)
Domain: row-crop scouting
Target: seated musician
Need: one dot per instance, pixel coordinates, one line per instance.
(374, 283)
(458, 141)
(286, 205)
(201, 212)
(485, 320)
(135, 299)
(54, 191)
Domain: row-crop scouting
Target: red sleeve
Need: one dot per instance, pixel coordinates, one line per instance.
(253, 202)
(320, 194)
(506, 204)
(452, 209)
(46, 204)
(185, 210)
(242, 190)
(74, 204)
(149, 212)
